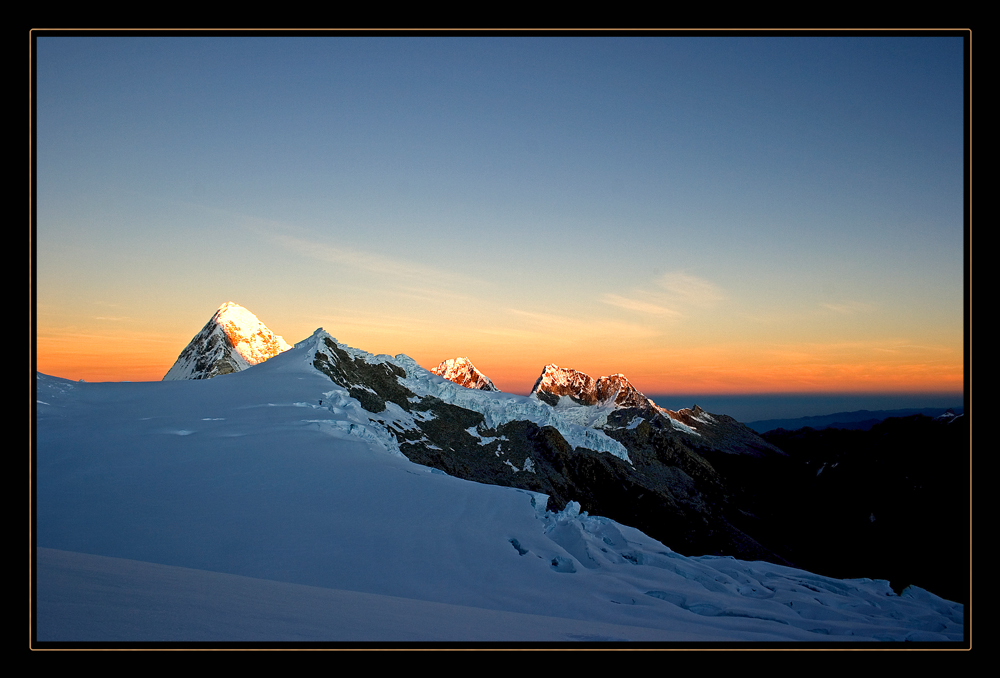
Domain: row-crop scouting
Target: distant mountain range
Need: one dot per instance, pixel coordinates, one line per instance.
(860, 420)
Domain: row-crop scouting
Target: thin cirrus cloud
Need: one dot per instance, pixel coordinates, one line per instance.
(571, 329)
(638, 305)
(376, 263)
(690, 290)
(670, 295)
(849, 308)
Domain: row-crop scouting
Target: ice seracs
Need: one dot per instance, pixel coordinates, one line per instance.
(464, 373)
(233, 340)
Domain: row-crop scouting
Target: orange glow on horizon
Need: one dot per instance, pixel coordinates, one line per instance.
(99, 358)
(730, 369)
(741, 379)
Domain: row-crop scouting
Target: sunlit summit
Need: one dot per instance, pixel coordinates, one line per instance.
(233, 340)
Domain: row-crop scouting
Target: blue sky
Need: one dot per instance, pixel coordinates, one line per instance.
(715, 214)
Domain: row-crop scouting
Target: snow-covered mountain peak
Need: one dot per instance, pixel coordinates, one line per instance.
(464, 373)
(613, 391)
(231, 341)
(248, 335)
(313, 338)
(616, 388)
(560, 381)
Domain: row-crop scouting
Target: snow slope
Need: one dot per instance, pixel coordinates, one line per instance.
(241, 509)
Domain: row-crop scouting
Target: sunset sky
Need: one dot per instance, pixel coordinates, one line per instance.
(734, 214)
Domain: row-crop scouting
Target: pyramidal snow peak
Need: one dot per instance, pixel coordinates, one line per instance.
(464, 373)
(233, 340)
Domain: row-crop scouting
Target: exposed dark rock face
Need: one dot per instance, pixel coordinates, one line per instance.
(548, 398)
(212, 355)
(667, 460)
(370, 384)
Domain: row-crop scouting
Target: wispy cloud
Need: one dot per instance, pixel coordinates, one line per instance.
(576, 329)
(372, 262)
(669, 296)
(372, 322)
(691, 290)
(438, 296)
(638, 305)
(849, 308)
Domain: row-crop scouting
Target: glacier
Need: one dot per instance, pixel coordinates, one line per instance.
(268, 506)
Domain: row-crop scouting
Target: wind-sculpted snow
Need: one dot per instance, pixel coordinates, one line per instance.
(375, 435)
(278, 516)
(713, 586)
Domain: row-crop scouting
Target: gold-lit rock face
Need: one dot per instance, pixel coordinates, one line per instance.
(464, 373)
(233, 340)
(607, 391)
(248, 335)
